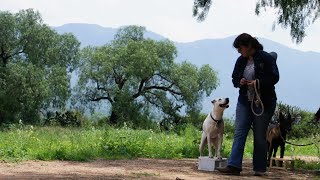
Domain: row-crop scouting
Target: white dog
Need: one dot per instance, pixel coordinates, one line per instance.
(213, 127)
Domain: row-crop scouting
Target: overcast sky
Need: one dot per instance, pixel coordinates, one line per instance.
(170, 18)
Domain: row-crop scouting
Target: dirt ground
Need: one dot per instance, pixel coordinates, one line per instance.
(130, 169)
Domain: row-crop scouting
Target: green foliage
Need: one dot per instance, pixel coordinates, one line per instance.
(303, 126)
(204, 6)
(294, 14)
(314, 147)
(26, 39)
(137, 75)
(23, 91)
(67, 118)
(197, 119)
(300, 164)
(229, 127)
(35, 65)
(297, 15)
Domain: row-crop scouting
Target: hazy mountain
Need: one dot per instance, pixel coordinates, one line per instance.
(95, 35)
(299, 71)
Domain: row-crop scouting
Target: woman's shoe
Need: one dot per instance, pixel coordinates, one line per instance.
(257, 173)
(229, 170)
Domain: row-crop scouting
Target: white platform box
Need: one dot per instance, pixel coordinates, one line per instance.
(209, 164)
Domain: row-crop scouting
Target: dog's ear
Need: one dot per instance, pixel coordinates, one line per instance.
(213, 101)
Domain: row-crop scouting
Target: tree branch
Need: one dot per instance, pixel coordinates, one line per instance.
(140, 88)
(150, 101)
(101, 98)
(119, 79)
(164, 89)
(103, 89)
(19, 52)
(161, 76)
(5, 57)
(166, 109)
(98, 86)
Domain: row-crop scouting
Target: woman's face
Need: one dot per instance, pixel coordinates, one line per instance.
(245, 51)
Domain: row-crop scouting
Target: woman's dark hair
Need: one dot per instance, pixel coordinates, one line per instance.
(247, 40)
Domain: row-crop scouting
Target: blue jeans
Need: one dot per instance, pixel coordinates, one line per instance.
(244, 119)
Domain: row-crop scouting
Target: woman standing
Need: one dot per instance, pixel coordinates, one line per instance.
(255, 73)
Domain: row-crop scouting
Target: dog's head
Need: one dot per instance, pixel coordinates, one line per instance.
(285, 122)
(220, 104)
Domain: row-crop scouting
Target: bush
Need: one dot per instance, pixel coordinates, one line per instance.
(67, 118)
(300, 164)
(195, 119)
(229, 127)
(304, 128)
(99, 120)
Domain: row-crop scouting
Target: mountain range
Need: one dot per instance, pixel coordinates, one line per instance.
(299, 83)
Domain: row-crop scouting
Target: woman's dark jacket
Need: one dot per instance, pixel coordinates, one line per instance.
(266, 70)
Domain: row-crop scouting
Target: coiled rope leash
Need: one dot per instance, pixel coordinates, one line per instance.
(258, 100)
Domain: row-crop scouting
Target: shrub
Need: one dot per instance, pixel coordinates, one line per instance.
(302, 126)
(229, 127)
(67, 118)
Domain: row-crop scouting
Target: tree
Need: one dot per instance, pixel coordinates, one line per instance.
(297, 15)
(35, 64)
(134, 74)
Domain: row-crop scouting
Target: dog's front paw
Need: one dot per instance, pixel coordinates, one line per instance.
(210, 156)
(219, 157)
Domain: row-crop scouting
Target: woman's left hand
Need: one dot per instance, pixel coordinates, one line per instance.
(250, 83)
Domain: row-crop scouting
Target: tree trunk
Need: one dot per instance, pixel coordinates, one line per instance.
(114, 117)
(1, 119)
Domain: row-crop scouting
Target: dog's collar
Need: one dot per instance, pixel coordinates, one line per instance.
(217, 121)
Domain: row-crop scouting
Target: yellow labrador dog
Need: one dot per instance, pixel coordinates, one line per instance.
(213, 127)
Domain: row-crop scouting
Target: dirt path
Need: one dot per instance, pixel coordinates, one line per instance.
(128, 169)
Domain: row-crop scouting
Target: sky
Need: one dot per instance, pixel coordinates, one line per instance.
(170, 18)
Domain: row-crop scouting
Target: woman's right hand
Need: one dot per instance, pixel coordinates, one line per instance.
(243, 81)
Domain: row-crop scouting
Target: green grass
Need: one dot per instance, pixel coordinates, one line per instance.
(50, 144)
(290, 149)
(81, 144)
(299, 164)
